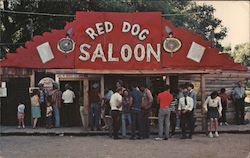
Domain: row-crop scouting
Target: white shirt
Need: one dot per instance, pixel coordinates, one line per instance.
(68, 96)
(21, 108)
(216, 102)
(49, 111)
(115, 100)
(183, 106)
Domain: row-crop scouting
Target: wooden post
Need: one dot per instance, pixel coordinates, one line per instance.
(148, 81)
(32, 79)
(203, 96)
(32, 84)
(102, 85)
(86, 101)
(168, 80)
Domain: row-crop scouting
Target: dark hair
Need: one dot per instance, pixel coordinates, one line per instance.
(166, 87)
(120, 82)
(55, 85)
(36, 92)
(118, 89)
(40, 85)
(67, 86)
(191, 85)
(222, 90)
(143, 85)
(134, 85)
(214, 94)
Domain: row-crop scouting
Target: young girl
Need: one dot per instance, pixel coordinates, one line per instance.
(20, 115)
(35, 107)
(173, 107)
(213, 108)
(224, 98)
(49, 110)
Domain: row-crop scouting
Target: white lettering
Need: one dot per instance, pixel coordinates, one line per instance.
(98, 53)
(110, 53)
(135, 29)
(84, 54)
(99, 28)
(126, 27)
(150, 51)
(108, 26)
(91, 33)
(137, 52)
(142, 36)
(126, 53)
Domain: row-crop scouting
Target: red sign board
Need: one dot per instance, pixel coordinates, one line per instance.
(121, 41)
(118, 40)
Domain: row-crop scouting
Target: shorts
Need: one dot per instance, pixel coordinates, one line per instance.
(213, 112)
(20, 115)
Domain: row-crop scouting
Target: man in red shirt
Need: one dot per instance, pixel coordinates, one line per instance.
(164, 99)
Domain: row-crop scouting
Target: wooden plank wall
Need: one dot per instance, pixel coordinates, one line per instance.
(216, 81)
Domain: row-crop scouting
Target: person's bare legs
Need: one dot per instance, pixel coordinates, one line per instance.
(34, 122)
(216, 127)
(22, 121)
(19, 123)
(211, 128)
(211, 124)
(216, 124)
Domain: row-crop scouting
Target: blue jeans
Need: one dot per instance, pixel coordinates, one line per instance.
(136, 116)
(125, 117)
(178, 121)
(163, 117)
(94, 115)
(49, 121)
(56, 112)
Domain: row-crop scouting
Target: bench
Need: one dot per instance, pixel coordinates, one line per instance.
(203, 118)
(204, 121)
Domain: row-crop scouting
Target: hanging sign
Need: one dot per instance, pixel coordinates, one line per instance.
(118, 40)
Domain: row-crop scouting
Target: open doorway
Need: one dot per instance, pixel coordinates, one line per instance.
(77, 88)
(17, 90)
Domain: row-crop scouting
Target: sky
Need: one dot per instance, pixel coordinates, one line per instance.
(235, 15)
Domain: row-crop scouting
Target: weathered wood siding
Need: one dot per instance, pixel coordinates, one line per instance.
(216, 81)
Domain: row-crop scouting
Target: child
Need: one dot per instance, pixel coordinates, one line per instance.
(213, 108)
(49, 110)
(20, 115)
(173, 107)
(224, 98)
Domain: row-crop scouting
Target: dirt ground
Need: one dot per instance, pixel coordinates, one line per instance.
(226, 146)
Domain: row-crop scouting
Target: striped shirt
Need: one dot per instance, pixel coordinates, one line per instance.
(56, 97)
(173, 104)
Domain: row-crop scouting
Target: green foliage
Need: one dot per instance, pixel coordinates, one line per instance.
(241, 54)
(17, 28)
(201, 20)
(248, 84)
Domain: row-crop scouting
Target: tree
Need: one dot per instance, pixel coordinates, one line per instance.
(241, 54)
(15, 29)
(201, 20)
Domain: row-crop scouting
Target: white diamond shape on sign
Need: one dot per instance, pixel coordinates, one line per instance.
(196, 52)
(45, 52)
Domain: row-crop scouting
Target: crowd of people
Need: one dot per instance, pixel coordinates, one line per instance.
(131, 107)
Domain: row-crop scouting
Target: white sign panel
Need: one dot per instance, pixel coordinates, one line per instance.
(3, 92)
(196, 52)
(45, 52)
(3, 84)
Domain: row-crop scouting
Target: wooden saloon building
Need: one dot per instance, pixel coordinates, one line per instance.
(103, 47)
